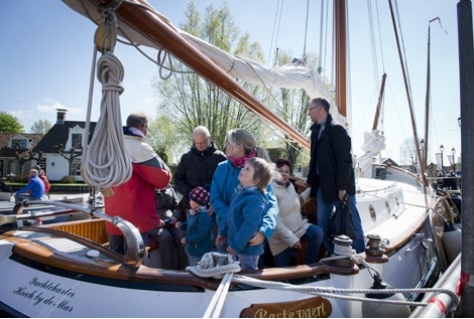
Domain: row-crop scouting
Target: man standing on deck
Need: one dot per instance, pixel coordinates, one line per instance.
(134, 200)
(331, 174)
(197, 167)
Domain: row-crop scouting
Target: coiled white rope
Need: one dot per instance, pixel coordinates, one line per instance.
(105, 162)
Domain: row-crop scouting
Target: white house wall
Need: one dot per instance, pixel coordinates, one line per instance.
(57, 167)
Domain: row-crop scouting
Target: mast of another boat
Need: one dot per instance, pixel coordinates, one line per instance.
(466, 85)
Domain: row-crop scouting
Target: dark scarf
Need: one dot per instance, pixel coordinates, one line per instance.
(240, 161)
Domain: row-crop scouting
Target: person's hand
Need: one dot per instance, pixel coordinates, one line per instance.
(258, 239)
(231, 251)
(210, 211)
(183, 240)
(221, 240)
(162, 223)
(342, 194)
(178, 225)
(297, 245)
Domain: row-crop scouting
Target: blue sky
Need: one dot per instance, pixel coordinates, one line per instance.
(46, 58)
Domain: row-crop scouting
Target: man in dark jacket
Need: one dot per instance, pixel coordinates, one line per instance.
(197, 166)
(331, 174)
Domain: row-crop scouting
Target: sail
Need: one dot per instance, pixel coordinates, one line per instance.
(288, 76)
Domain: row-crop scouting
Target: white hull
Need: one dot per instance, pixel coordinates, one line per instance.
(98, 292)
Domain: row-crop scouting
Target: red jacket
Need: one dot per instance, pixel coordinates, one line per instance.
(47, 185)
(134, 200)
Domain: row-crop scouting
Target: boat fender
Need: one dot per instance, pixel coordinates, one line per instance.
(452, 240)
(93, 253)
(373, 309)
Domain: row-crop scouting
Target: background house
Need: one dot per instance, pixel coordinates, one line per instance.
(67, 137)
(16, 150)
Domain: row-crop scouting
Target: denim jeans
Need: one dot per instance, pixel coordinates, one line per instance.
(314, 237)
(247, 261)
(324, 211)
(193, 260)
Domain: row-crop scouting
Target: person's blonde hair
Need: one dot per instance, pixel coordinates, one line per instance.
(243, 137)
(263, 172)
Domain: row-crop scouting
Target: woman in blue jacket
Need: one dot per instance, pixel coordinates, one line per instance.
(240, 146)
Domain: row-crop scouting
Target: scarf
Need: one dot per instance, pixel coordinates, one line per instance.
(240, 161)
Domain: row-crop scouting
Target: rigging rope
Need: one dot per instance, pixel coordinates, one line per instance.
(105, 162)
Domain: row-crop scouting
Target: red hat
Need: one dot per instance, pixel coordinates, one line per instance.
(200, 195)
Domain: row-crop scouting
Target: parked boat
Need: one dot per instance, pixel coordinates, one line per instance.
(66, 269)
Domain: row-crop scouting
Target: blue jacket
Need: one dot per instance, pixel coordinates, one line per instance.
(245, 217)
(224, 185)
(198, 235)
(35, 186)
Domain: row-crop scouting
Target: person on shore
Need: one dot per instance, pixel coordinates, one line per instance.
(134, 200)
(292, 229)
(240, 147)
(198, 239)
(34, 190)
(246, 211)
(331, 173)
(42, 176)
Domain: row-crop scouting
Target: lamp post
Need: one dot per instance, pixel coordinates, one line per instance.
(441, 148)
(422, 146)
(454, 159)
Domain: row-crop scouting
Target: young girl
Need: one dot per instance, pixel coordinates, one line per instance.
(246, 211)
(198, 238)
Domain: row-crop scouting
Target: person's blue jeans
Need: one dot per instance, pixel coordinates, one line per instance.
(314, 237)
(324, 211)
(247, 261)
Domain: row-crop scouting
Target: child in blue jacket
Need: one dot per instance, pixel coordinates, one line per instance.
(198, 240)
(246, 211)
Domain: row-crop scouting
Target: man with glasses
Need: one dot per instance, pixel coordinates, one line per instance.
(197, 166)
(331, 174)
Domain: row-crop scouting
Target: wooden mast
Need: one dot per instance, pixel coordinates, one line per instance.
(341, 77)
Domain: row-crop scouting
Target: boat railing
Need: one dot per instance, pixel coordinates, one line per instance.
(135, 246)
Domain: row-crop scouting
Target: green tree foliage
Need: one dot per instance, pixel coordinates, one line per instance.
(191, 100)
(9, 124)
(41, 127)
(164, 137)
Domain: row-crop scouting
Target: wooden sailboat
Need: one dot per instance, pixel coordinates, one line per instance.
(66, 269)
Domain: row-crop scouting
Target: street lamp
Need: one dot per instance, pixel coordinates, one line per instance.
(441, 148)
(454, 159)
(422, 146)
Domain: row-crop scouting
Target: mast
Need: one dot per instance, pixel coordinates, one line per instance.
(466, 84)
(341, 75)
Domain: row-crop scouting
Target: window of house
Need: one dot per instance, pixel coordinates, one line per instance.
(76, 166)
(76, 141)
(19, 144)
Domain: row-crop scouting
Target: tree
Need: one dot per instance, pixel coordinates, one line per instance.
(23, 156)
(164, 137)
(193, 101)
(9, 123)
(68, 155)
(41, 127)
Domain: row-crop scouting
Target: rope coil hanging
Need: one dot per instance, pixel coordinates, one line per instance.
(105, 162)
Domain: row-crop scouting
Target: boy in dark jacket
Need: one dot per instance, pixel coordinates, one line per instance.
(198, 238)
